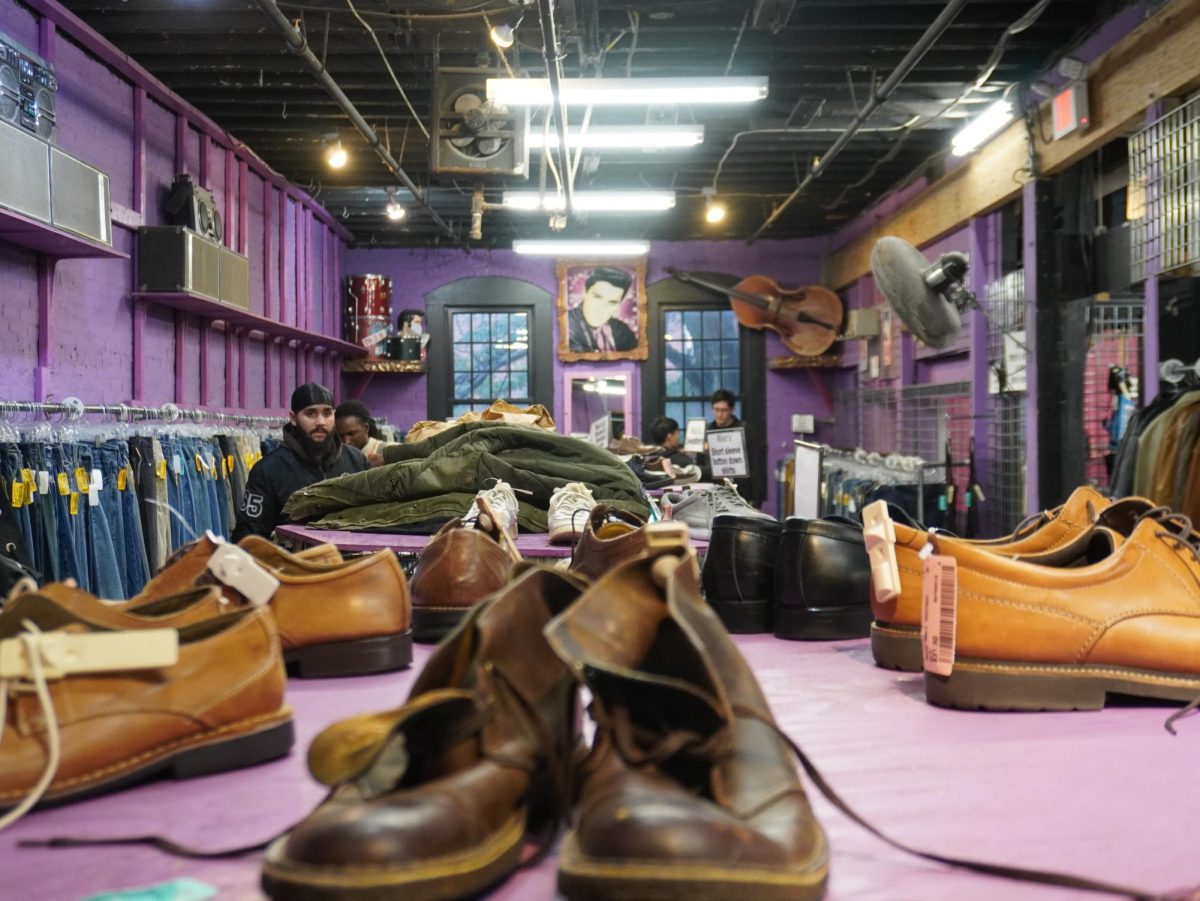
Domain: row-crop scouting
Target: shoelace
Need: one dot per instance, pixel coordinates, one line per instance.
(725, 499)
(31, 640)
(630, 741)
(507, 507)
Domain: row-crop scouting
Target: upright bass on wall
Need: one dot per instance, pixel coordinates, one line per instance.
(807, 319)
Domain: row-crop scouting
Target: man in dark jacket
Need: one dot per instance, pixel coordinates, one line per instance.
(752, 487)
(312, 451)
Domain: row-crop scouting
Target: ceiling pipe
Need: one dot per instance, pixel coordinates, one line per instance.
(902, 71)
(554, 73)
(299, 46)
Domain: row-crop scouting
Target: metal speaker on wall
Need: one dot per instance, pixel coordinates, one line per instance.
(24, 173)
(174, 259)
(930, 299)
(79, 198)
(471, 134)
(27, 90)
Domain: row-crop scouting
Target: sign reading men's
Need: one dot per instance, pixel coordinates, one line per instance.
(727, 453)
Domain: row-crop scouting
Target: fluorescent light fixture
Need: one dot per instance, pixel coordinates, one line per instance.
(597, 249)
(593, 201)
(978, 130)
(627, 91)
(622, 137)
(604, 388)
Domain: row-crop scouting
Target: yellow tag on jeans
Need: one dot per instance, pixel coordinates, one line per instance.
(161, 469)
(74, 504)
(18, 494)
(27, 478)
(81, 478)
(64, 484)
(122, 478)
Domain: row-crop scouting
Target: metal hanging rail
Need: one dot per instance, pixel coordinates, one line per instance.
(74, 409)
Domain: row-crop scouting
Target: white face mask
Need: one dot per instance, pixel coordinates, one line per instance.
(416, 328)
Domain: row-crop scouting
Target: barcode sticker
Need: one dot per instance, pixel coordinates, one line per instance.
(939, 605)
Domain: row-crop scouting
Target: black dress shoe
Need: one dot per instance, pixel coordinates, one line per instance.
(822, 581)
(739, 571)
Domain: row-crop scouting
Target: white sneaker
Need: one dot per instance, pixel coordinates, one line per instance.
(500, 501)
(570, 507)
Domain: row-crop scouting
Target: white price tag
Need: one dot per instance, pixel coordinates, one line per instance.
(43, 482)
(97, 480)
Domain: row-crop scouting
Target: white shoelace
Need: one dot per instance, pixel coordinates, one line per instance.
(31, 639)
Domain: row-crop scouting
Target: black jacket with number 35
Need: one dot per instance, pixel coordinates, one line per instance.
(273, 480)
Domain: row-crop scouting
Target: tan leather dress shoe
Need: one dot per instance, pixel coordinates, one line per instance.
(462, 564)
(1038, 638)
(610, 537)
(189, 562)
(170, 612)
(434, 799)
(1055, 539)
(689, 791)
(219, 707)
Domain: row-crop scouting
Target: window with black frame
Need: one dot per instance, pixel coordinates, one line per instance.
(700, 354)
(490, 359)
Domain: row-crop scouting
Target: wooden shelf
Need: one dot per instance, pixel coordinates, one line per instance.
(375, 364)
(823, 361)
(196, 305)
(45, 238)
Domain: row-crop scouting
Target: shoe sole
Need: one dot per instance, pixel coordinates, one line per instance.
(743, 617)
(583, 879)
(565, 535)
(437, 879)
(897, 647)
(807, 624)
(359, 657)
(432, 624)
(237, 745)
(998, 685)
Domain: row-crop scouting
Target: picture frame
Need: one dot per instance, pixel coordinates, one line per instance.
(618, 295)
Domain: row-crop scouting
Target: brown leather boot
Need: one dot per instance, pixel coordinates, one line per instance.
(218, 707)
(610, 537)
(1038, 638)
(434, 799)
(189, 562)
(689, 792)
(462, 564)
(1059, 537)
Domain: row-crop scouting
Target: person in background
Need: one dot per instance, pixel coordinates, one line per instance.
(312, 451)
(358, 429)
(749, 487)
(664, 432)
(411, 322)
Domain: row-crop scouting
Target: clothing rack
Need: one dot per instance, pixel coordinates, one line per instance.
(813, 463)
(74, 409)
(1175, 371)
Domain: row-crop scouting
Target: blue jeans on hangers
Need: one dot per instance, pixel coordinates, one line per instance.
(45, 541)
(179, 494)
(124, 519)
(103, 564)
(71, 566)
(12, 466)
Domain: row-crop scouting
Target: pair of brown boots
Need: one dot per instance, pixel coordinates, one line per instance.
(688, 790)
(188, 677)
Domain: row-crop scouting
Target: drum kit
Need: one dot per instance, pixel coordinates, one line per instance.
(367, 319)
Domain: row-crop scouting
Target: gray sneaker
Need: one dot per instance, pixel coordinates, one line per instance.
(696, 509)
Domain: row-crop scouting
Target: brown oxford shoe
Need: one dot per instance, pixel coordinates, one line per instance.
(189, 563)
(689, 791)
(462, 564)
(610, 537)
(1060, 537)
(219, 706)
(1038, 638)
(170, 612)
(435, 798)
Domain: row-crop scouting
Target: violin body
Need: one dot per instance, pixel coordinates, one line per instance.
(807, 320)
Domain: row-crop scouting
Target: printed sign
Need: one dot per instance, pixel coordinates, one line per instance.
(693, 438)
(806, 485)
(600, 430)
(727, 453)
(375, 338)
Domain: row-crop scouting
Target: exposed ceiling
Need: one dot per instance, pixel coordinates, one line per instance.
(823, 59)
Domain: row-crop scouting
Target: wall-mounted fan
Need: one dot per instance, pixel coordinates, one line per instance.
(471, 134)
(930, 298)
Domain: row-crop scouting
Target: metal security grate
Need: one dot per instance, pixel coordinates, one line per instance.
(1164, 192)
(1005, 302)
(1114, 339)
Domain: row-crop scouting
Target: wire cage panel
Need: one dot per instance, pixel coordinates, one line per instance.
(1164, 192)
(1006, 304)
(1114, 339)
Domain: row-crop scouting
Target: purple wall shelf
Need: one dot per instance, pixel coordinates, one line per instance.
(44, 238)
(205, 308)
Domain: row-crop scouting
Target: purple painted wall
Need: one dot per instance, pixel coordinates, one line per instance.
(92, 321)
(414, 273)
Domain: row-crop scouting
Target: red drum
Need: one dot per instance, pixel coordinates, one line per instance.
(368, 310)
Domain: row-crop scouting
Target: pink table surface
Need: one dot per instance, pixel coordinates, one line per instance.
(1109, 794)
(529, 544)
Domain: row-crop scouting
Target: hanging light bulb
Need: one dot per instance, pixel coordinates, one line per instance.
(504, 35)
(714, 210)
(336, 156)
(395, 210)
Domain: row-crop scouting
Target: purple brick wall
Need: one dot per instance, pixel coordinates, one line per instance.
(92, 319)
(401, 398)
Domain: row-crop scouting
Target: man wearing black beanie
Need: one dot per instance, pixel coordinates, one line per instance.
(311, 452)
